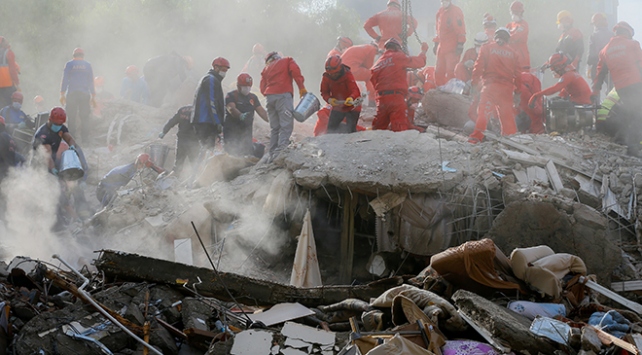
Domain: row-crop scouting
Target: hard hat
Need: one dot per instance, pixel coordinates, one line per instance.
(99, 81)
(517, 7)
(481, 38)
(558, 61)
(221, 62)
(599, 20)
(416, 93)
(623, 25)
(58, 115)
(258, 49)
(393, 42)
(394, 2)
(502, 32)
(333, 64)
(270, 56)
(2, 121)
(78, 52)
(345, 41)
(38, 99)
(244, 79)
(131, 70)
(143, 159)
(564, 16)
(17, 97)
(489, 20)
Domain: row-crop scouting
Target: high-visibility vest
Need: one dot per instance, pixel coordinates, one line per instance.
(5, 75)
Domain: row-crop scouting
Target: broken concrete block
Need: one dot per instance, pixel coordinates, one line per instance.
(310, 179)
(301, 336)
(134, 315)
(503, 324)
(590, 340)
(195, 314)
(251, 342)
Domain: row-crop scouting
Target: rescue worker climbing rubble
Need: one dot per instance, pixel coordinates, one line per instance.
(497, 72)
(118, 177)
(360, 59)
(390, 24)
(622, 58)
(9, 71)
(571, 42)
(241, 105)
(77, 93)
(597, 41)
(209, 104)
(391, 86)
(518, 29)
(343, 43)
(449, 41)
(340, 90)
(187, 146)
(571, 84)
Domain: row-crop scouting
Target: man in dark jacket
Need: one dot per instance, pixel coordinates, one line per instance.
(241, 105)
(9, 156)
(186, 141)
(209, 104)
(597, 41)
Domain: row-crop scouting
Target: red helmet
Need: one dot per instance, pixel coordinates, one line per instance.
(221, 62)
(558, 61)
(131, 70)
(58, 115)
(38, 99)
(2, 121)
(244, 79)
(599, 20)
(78, 52)
(258, 49)
(416, 93)
(17, 97)
(391, 43)
(489, 21)
(623, 26)
(333, 64)
(99, 81)
(345, 41)
(143, 159)
(517, 7)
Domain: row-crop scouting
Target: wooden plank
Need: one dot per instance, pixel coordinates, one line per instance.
(612, 295)
(347, 238)
(554, 177)
(608, 339)
(635, 285)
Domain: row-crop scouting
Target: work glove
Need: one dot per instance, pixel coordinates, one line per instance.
(244, 116)
(434, 48)
(302, 92)
(424, 47)
(460, 49)
(333, 101)
(63, 99)
(161, 135)
(349, 102)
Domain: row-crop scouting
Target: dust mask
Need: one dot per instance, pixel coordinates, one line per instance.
(245, 90)
(560, 26)
(56, 127)
(222, 74)
(16, 105)
(515, 18)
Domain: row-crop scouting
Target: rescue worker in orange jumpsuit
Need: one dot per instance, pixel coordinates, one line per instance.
(519, 34)
(339, 89)
(497, 71)
(9, 70)
(360, 59)
(449, 41)
(464, 69)
(622, 57)
(571, 41)
(391, 85)
(390, 23)
(490, 26)
(571, 84)
(415, 94)
(530, 119)
(343, 43)
(597, 41)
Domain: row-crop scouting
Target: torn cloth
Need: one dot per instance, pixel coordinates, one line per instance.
(305, 271)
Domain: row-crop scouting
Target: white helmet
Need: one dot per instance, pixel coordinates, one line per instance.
(481, 38)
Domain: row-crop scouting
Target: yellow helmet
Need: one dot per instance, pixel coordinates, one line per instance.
(564, 15)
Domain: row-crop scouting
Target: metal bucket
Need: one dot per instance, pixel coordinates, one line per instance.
(70, 166)
(158, 154)
(308, 105)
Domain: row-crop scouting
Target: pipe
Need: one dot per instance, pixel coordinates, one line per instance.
(100, 309)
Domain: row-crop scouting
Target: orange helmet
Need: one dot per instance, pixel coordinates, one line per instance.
(143, 159)
(221, 62)
(58, 115)
(345, 41)
(258, 49)
(99, 81)
(599, 20)
(38, 99)
(415, 92)
(623, 26)
(517, 7)
(131, 70)
(78, 52)
(17, 97)
(244, 79)
(333, 64)
(558, 62)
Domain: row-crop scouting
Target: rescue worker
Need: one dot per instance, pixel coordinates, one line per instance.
(102, 96)
(571, 84)
(9, 70)
(608, 115)
(449, 41)
(571, 41)
(622, 57)
(428, 75)
(165, 74)
(241, 105)
(39, 103)
(256, 63)
(14, 116)
(518, 29)
(276, 86)
(390, 83)
(497, 72)
(343, 43)
(415, 94)
(360, 59)
(187, 146)
(597, 41)
(209, 104)
(77, 93)
(390, 23)
(107, 189)
(54, 138)
(339, 89)
(490, 26)
(9, 156)
(530, 119)
(134, 87)
(464, 69)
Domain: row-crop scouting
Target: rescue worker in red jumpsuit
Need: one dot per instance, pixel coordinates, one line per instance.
(530, 119)
(597, 41)
(339, 89)
(464, 69)
(360, 59)
(490, 26)
(390, 23)
(622, 57)
(571, 84)
(571, 41)
(415, 94)
(497, 71)
(449, 41)
(519, 34)
(343, 43)
(428, 75)
(390, 83)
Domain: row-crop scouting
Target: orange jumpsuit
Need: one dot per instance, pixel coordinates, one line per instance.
(571, 44)
(360, 59)
(497, 70)
(519, 42)
(390, 23)
(391, 85)
(428, 73)
(571, 85)
(451, 31)
(531, 85)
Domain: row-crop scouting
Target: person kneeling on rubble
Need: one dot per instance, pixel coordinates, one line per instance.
(571, 84)
(120, 176)
(339, 89)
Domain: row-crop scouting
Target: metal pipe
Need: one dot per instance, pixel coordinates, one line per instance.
(100, 309)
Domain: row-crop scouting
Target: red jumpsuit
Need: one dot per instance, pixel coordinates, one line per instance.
(461, 72)
(571, 43)
(390, 23)
(519, 42)
(497, 69)
(571, 85)
(622, 57)
(451, 31)
(360, 59)
(391, 85)
(340, 89)
(428, 73)
(531, 85)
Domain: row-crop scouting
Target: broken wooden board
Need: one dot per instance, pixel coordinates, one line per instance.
(612, 295)
(124, 266)
(608, 339)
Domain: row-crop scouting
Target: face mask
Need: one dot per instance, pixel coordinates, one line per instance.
(16, 105)
(560, 27)
(55, 127)
(516, 18)
(245, 90)
(222, 74)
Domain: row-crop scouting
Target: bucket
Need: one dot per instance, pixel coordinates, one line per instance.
(70, 166)
(308, 105)
(158, 154)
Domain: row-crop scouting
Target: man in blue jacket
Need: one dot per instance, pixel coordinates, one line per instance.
(209, 104)
(77, 92)
(120, 176)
